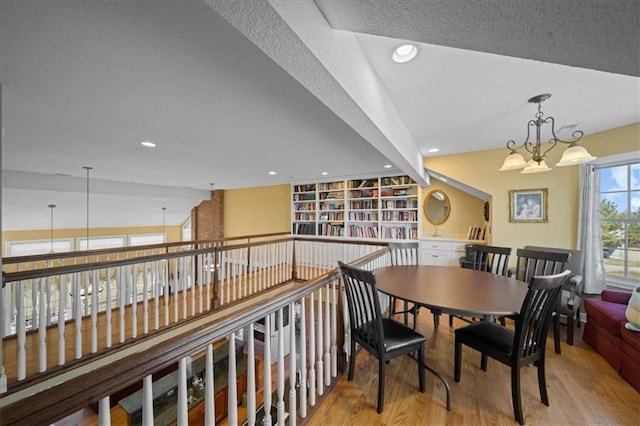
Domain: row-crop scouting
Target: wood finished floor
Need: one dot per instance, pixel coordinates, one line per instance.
(583, 389)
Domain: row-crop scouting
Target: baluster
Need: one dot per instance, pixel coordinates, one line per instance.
(108, 309)
(280, 369)
(209, 407)
(334, 330)
(21, 331)
(34, 305)
(157, 283)
(319, 335)
(48, 301)
(147, 400)
(145, 300)
(251, 378)
(267, 371)
(312, 352)
(42, 325)
(232, 391)
(167, 291)
(95, 305)
(182, 417)
(303, 360)
(193, 285)
(122, 302)
(62, 292)
(327, 339)
(85, 288)
(132, 280)
(292, 365)
(185, 286)
(201, 282)
(78, 314)
(104, 412)
(176, 295)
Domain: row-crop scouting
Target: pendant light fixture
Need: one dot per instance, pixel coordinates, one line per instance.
(575, 154)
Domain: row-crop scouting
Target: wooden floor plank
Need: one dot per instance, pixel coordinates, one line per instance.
(583, 390)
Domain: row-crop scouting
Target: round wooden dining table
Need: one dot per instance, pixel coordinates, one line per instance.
(453, 290)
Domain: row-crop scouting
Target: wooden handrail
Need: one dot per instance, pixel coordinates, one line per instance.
(83, 253)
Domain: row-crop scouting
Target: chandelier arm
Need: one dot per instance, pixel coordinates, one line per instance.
(530, 146)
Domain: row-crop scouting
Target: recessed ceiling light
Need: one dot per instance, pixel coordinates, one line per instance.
(388, 166)
(433, 150)
(324, 173)
(404, 53)
(148, 144)
(272, 173)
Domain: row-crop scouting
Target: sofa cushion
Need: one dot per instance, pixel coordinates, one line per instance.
(609, 316)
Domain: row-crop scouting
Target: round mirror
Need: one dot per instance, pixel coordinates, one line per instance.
(436, 207)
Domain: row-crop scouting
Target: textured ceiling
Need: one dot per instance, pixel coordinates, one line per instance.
(230, 90)
(592, 34)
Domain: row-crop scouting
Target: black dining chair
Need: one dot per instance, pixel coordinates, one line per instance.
(539, 261)
(491, 259)
(407, 254)
(522, 346)
(384, 338)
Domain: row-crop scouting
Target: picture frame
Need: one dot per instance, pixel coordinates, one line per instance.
(528, 205)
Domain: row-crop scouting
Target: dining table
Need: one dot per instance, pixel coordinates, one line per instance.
(452, 290)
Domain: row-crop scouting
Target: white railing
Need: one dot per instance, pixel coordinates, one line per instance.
(293, 339)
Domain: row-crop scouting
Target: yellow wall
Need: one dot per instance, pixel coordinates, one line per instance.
(174, 233)
(480, 170)
(259, 210)
(465, 211)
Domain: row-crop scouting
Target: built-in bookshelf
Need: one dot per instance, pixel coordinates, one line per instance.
(384, 207)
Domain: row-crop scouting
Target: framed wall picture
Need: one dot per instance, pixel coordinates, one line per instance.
(528, 205)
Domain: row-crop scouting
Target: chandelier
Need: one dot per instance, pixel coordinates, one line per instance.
(573, 155)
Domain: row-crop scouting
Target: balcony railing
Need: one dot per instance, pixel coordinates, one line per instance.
(271, 310)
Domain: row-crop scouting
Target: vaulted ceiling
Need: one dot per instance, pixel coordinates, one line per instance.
(231, 90)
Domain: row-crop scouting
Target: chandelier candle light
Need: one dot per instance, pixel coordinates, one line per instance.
(575, 154)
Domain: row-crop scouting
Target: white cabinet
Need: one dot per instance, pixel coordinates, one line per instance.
(442, 252)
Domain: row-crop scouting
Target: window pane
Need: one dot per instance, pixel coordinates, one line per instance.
(613, 179)
(612, 248)
(613, 206)
(635, 204)
(633, 252)
(635, 176)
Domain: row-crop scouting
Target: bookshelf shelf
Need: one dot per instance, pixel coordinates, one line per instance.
(382, 207)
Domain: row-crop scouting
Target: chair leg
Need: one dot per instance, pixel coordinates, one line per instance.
(352, 360)
(457, 361)
(578, 316)
(556, 332)
(381, 365)
(483, 362)
(436, 319)
(515, 394)
(542, 384)
(406, 313)
(421, 368)
(570, 326)
(450, 320)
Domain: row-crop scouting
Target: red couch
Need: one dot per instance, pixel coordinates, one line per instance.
(605, 332)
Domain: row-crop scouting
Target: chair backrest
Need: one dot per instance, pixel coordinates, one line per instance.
(575, 264)
(538, 262)
(533, 321)
(365, 318)
(489, 258)
(404, 253)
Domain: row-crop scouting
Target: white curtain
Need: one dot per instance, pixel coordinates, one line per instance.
(589, 230)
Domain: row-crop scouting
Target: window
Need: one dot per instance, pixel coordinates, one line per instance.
(34, 247)
(146, 239)
(97, 243)
(620, 221)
